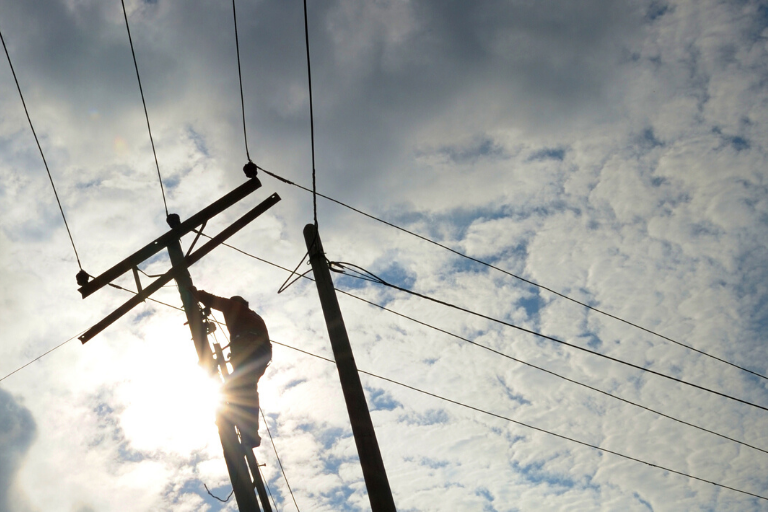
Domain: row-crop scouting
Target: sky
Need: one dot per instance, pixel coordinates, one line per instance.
(612, 151)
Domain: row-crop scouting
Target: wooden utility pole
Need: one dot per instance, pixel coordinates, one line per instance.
(236, 456)
(233, 450)
(379, 492)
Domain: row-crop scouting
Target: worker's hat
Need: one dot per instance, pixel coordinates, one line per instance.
(238, 298)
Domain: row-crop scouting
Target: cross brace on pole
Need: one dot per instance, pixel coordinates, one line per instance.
(160, 243)
(188, 261)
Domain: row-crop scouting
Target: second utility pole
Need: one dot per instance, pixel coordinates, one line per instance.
(379, 492)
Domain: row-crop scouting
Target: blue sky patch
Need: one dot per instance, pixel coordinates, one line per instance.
(482, 147)
(656, 10)
(198, 140)
(643, 502)
(510, 393)
(536, 474)
(429, 417)
(548, 154)
(381, 400)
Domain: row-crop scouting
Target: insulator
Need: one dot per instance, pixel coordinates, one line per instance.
(82, 278)
(173, 220)
(250, 170)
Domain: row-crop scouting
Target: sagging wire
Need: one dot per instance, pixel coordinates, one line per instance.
(240, 77)
(45, 162)
(369, 276)
(515, 276)
(285, 477)
(539, 429)
(143, 102)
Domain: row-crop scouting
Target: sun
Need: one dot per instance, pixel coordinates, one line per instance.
(172, 404)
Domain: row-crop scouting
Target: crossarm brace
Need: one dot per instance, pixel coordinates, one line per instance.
(188, 261)
(174, 234)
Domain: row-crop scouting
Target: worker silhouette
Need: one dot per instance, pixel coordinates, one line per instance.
(250, 354)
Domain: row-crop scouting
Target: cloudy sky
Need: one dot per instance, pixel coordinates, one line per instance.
(612, 151)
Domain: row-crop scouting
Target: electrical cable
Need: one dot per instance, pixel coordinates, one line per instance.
(286, 284)
(143, 102)
(527, 281)
(539, 429)
(554, 374)
(311, 116)
(45, 163)
(214, 496)
(550, 338)
(465, 406)
(285, 477)
(240, 76)
(42, 355)
(443, 398)
(294, 272)
(425, 324)
(544, 336)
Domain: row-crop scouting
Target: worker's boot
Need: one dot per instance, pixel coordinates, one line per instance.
(249, 433)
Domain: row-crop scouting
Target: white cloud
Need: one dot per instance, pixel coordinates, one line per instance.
(611, 151)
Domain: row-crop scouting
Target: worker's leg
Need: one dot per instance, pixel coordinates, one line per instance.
(246, 396)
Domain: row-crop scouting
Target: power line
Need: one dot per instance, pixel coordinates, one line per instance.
(285, 477)
(143, 102)
(286, 284)
(311, 115)
(42, 355)
(450, 400)
(425, 324)
(544, 336)
(462, 405)
(378, 280)
(554, 374)
(527, 281)
(240, 76)
(50, 178)
(539, 429)
(81, 332)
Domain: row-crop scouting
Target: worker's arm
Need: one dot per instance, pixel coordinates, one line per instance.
(212, 301)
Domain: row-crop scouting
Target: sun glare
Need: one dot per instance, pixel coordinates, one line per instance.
(171, 407)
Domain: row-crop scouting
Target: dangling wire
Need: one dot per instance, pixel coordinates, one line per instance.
(50, 178)
(216, 497)
(143, 102)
